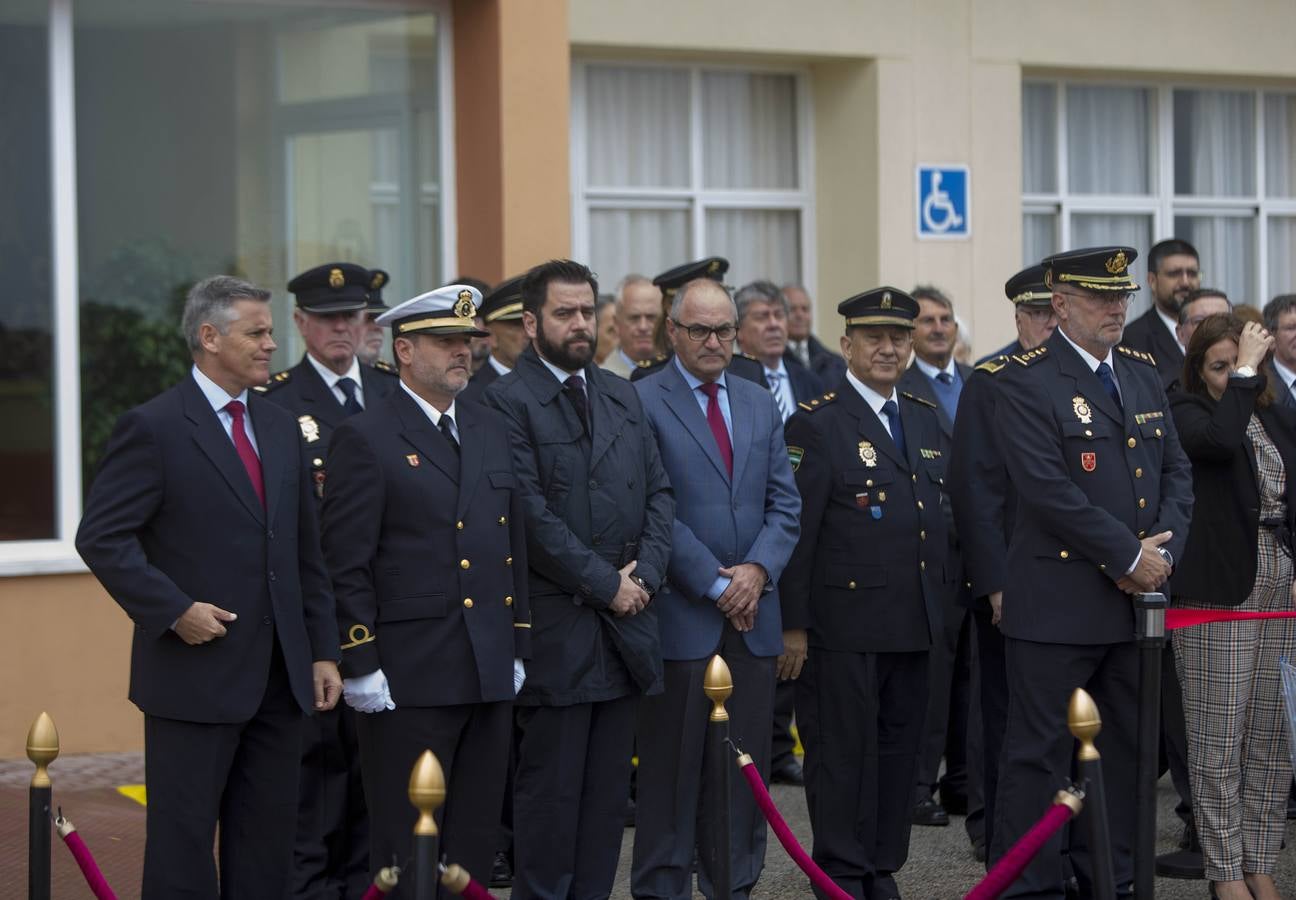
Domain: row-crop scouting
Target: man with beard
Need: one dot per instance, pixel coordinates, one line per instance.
(1104, 496)
(638, 312)
(599, 512)
(501, 311)
(1173, 271)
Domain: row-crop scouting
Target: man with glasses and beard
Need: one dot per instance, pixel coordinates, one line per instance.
(598, 513)
(1173, 273)
(1104, 496)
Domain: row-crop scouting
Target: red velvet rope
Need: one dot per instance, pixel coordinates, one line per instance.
(86, 861)
(1011, 865)
(456, 880)
(475, 891)
(1185, 618)
(785, 835)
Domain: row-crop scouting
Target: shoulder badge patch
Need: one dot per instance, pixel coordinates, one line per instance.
(795, 455)
(916, 399)
(993, 365)
(383, 366)
(817, 403)
(1130, 353)
(1030, 357)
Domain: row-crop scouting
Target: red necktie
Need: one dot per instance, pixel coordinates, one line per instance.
(251, 461)
(715, 419)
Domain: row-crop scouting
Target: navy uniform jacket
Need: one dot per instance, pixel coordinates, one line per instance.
(871, 564)
(427, 553)
(827, 366)
(1148, 333)
(477, 384)
(589, 503)
(302, 392)
(172, 519)
(1091, 481)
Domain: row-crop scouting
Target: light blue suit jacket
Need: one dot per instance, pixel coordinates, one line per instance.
(721, 521)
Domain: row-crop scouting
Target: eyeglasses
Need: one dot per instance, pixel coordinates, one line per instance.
(700, 333)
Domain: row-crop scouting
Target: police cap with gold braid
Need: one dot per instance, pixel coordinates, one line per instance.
(670, 281)
(1027, 288)
(1104, 269)
(504, 302)
(880, 306)
(447, 310)
(332, 288)
(377, 279)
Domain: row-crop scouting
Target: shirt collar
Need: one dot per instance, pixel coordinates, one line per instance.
(499, 367)
(931, 371)
(1090, 360)
(558, 373)
(630, 363)
(780, 369)
(692, 380)
(330, 377)
(1172, 325)
(214, 393)
(429, 410)
(871, 397)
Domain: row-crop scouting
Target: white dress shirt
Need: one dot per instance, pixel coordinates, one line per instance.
(874, 400)
(332, 378)
(433, 413)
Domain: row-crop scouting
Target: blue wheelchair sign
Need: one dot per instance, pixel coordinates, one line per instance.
(943, 202)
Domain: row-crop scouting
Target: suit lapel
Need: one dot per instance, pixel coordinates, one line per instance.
(471, 454)
(680, 400)
(417, 429)
(916, 382)
(871, 427)
(215, 444)
(606, 415)
(743, 427)
(323, 404)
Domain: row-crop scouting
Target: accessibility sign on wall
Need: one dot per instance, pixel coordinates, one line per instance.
(944, 210)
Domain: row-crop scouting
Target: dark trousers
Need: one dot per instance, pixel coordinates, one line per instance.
(471, 743)
(331, 851)
(992, 697)
(861, 720)
(1038, 753)
(242, 776)
(569, 793)
(674, 785)
(1174, 734)
(783, 744)
(945, 731)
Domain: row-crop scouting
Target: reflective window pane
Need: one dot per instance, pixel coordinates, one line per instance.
(637, 241)
(1109, 140)
(751, 130)
(1039, 138)
(1096, 230)
(1227, 248)
(1039, 237)
(757, 243)
(637, 121)
(1280, 145)
(356, 54)
(27, 441)
(1282, 257)
(1214, 143)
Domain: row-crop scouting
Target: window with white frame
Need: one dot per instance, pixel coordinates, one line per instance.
(1134, 164)
(674, 162)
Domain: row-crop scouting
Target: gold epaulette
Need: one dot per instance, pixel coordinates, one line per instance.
(818, 402)
(1141, 356)
(746, 356)
(993, 365)
(656, 360)
(385, 367)
(1030, 357)
(277, 380)
(916, 399)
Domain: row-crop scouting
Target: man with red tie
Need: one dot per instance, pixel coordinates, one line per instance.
(200, 524)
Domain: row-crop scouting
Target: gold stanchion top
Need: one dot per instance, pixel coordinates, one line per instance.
(427, 792)
(42, 748)
(718, 684)
(1071, 801)
(455, 878)
(1085, 723)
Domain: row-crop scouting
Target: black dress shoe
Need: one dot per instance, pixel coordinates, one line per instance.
(884, 888)
(501, 874)
(954, 804)
(979, 850)
(1181, 864)
(789, 772)
(929, 812)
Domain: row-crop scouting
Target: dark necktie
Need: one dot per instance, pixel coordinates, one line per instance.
(944, 377)
(1104, 374)
(1289, 395)
(243, 446)
(574, 388)
(352, 405)
(892, 413)
(446, 430)
(715, 419)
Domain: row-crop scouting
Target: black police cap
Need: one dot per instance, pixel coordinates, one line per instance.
(332, 287)
(670, 281)
(1093, 268)
(504, 302)
(1027, 288)
(377, 280)
(880, 306)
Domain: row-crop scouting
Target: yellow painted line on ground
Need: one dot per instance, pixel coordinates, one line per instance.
(134, 792)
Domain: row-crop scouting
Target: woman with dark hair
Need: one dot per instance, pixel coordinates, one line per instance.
(1238, 556)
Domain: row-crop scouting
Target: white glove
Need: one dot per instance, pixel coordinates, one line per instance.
(368, 693)
(519, 676)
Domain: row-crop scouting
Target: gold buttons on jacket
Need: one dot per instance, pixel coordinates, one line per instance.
(868, 483)
(1138, 473)
(508, 601)
(1088, 433)
(463, 564)
(923, 565)
(920, 506)
(922, 535)
(459, 525)
(1132, 443)
(1158, 432)
(467, 602)
(1142, 503)
(1065, 555)
(1142, 534)
(503, 520)
(851, 585)
(508, 560)
(317, 461)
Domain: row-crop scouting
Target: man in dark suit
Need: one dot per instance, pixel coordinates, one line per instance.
(984, 506)
(1104, 495)
(1280, 319)
(599, 511)
(331, 850)
(826, 364)
(501, 312)
(423, 535)
(866, 579)
(200, 524)
(1173, 272)
(736, 522)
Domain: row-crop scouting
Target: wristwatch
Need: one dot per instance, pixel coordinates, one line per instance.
(643, 584)
(1167, 556)
(1244, 372)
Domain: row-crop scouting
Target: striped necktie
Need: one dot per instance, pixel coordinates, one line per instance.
(775, 380)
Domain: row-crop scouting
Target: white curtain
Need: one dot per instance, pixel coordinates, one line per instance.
(1282, 254)
(1039, 139)
(1097, 230)
(637, 122)
(1214, 143)
(757, 243)
(1226, 245)
(1280, 145)
(640, 241)
(1108, 140)
(750, 131)
(1039, 237)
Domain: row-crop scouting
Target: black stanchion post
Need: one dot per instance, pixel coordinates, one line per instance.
(1149, 632)
(1085, 723)
(42, 749)
(427, 793)
(718, 684)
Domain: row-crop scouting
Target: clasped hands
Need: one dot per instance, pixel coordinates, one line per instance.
(1151, 571)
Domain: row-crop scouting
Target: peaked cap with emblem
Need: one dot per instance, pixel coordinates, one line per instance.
(1027, 288)
(880, 306)
(331, 288)
(670, 281)
(504, 302)
(1104, 269)
(377, 280)
(447, 310)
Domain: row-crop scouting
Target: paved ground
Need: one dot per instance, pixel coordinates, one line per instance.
(940, 866)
